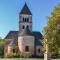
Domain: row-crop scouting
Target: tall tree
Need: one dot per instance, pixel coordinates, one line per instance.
(1, 47)
(52, 30)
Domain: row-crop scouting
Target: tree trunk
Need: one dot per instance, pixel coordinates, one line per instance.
(47, 54)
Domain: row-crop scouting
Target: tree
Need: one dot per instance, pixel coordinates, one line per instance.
(52, 30)
(1, 47)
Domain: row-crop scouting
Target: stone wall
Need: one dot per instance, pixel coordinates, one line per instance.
(24, 41)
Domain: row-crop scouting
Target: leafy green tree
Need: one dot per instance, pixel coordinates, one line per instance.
(52, 30)
(1, 47)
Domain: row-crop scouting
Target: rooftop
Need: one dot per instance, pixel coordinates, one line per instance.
(26, 10)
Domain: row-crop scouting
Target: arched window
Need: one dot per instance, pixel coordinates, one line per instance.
(23, 27)
(39, 50)
(23, 19)
(27, 26)
(13, 50)
(27, 48)
(27, 19)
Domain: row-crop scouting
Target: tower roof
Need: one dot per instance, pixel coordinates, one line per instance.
(26, 10)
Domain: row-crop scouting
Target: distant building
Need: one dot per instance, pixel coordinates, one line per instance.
(25, 41)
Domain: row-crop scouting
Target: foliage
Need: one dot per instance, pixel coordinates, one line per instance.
(13, 55)
(52, 30)
(1, 47)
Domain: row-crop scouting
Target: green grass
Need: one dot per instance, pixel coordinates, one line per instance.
(25, 59)
(20, 59)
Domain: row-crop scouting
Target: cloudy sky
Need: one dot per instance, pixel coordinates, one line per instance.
(9, 14)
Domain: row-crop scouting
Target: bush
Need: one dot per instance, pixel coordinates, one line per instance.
(1, 48)
(13, 55)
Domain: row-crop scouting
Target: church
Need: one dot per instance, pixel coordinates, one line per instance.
(24, 42)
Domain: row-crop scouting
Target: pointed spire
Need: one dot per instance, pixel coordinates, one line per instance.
(25, 10)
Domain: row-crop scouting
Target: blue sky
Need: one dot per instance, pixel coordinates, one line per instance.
(9, 14)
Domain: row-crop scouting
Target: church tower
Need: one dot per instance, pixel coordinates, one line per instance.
(25, 37)
(25, 19)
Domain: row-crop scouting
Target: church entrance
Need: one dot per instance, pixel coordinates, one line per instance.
(27, 48)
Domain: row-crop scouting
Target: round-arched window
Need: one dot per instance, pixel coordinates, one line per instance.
(23, 27)
(23, 19)
(27, 26)
(27, 19)
(27, 48)
(39, 50)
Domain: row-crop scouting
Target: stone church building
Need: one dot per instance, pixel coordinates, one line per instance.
(25, 42)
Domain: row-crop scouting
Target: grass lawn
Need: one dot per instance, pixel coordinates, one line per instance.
(24, 59)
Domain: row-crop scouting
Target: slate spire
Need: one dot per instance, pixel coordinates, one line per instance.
(26, 10)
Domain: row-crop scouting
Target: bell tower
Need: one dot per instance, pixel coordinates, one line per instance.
(25, 19)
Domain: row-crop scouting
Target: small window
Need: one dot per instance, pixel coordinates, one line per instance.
(27, 26)
(27, 19)
(23, 19)
(13, 50)
(23, 27)
(27, 48)
(39, 50)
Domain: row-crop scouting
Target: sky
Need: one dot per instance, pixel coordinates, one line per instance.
(9, 14)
